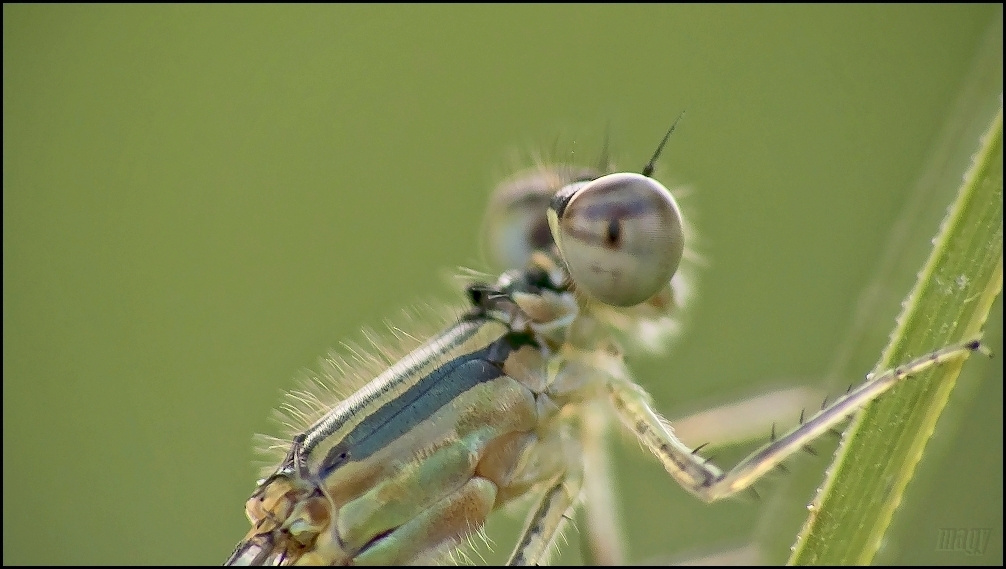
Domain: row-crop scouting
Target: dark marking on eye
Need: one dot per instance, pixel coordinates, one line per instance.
(613, 236)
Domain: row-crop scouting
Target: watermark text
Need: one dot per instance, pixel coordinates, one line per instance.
(971, 541)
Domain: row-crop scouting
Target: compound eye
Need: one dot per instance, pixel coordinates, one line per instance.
(516, 223)
(620, 235)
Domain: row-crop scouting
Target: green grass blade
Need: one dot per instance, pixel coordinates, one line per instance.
(950, 301)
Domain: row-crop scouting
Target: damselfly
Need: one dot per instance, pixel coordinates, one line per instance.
(510, 400)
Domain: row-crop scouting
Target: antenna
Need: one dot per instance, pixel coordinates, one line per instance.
(604, 160)
(648, 169)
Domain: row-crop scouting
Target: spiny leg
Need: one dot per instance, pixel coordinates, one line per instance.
(545, 521)
(604, 541)
(710, 483)
(744, 421)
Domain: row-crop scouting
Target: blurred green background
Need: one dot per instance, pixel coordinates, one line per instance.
(199, 201)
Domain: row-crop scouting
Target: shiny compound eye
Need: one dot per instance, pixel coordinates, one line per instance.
(620, 235)
(516, 224)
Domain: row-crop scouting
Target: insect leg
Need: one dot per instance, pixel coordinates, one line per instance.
(710, 483)
(548, 517)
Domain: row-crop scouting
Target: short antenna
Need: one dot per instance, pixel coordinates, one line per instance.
(648, 169)
(604, 160)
